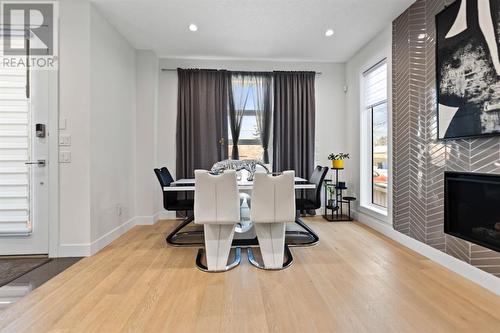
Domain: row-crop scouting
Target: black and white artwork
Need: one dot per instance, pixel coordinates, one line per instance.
(468, 69)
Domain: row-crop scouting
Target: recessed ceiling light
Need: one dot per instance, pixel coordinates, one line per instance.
(193, 27)
(329, 33)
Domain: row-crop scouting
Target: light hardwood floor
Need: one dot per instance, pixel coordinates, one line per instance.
(354, 280)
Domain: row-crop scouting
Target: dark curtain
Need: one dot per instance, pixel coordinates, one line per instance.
(201, 119)
(293, 122)
(263, 109)
(239, 94)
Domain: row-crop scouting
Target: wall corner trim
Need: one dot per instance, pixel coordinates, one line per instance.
(474, 274)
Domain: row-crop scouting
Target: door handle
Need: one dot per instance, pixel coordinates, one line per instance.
(39, 163)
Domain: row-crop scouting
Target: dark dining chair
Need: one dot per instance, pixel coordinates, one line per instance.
(172, 202)
(311, 199)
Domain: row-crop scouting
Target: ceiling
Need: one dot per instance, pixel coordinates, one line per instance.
(252, 29)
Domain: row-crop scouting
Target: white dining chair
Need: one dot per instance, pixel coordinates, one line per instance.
(273, 205)
(258, 168)
(217, 208)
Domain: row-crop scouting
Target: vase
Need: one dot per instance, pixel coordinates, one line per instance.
(337, 164)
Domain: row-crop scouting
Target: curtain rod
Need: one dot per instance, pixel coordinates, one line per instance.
(175, 70)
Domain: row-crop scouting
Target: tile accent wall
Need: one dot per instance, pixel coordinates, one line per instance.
(419, 159)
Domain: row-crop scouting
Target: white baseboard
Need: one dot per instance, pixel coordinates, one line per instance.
(110, 236)
(144, 220)
(164, 215)
(88, 249)
(474, 274)
(74, 250)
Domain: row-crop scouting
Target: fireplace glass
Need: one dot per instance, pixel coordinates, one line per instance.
(472, 208)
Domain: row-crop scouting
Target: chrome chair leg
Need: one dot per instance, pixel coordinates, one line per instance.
(204, 268)
(176, 234)
(287, 263)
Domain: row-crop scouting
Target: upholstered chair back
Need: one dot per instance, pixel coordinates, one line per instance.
(317, 178)
(216, 198)
(273, 198)
(165, 179)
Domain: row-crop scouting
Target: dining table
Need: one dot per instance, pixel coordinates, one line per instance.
(188, 184)
(297, 234)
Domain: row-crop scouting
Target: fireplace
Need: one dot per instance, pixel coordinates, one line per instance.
(472, 207)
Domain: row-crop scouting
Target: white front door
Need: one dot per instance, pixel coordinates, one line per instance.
(24, 108)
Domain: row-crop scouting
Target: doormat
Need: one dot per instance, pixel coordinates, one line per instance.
(12, 268)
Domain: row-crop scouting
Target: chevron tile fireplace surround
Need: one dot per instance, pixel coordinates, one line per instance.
(419, 159)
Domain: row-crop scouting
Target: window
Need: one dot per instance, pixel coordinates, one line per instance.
(379, 154)
(249, 145)
(374, 159)
(249, 100)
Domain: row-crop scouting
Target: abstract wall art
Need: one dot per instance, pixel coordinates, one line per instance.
(468, 69)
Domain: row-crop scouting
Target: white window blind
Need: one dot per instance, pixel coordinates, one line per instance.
(15, 143)
(375, 85)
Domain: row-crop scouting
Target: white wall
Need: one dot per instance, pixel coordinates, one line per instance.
(147, 187)
(377, 49)
(97, 104)
(112, 127)
(74, 106)
(330, 102)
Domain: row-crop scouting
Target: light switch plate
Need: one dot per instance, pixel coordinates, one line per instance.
(62, 123)
(64, 140)
(64, 157)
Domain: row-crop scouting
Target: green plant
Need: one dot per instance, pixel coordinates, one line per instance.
(339, 156)
(330, 190)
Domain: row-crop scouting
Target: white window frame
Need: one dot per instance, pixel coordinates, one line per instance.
(366, 145)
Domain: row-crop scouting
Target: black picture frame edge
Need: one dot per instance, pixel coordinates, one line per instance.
(479, 136)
